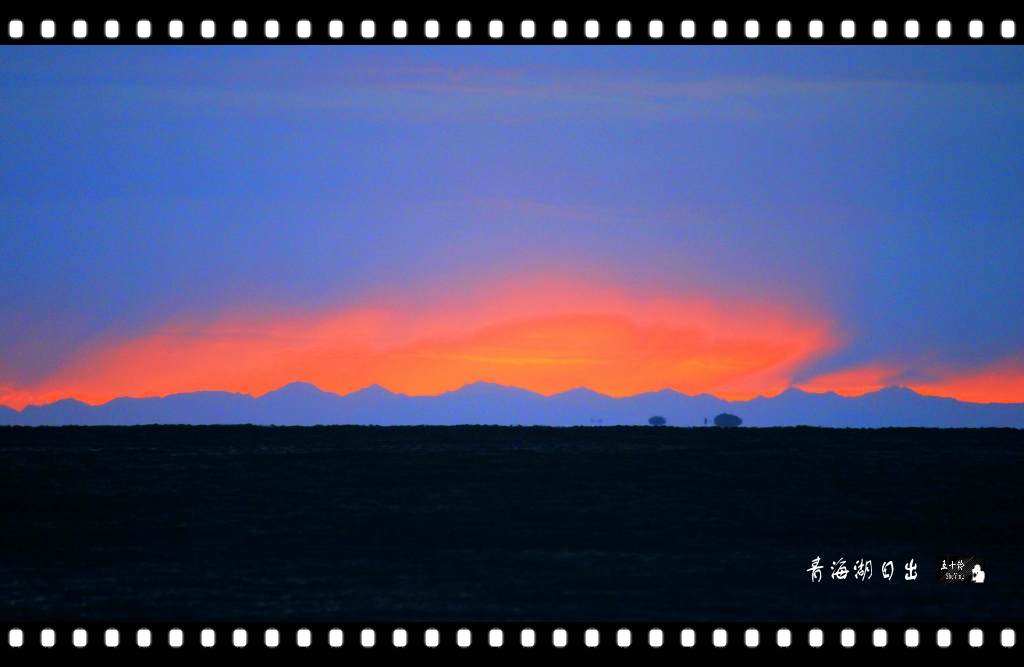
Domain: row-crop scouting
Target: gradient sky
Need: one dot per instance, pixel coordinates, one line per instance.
(729, 220)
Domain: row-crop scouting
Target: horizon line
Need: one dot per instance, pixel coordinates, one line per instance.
(791, 388)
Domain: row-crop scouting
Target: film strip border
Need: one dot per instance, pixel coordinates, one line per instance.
(483, 637)
(423, 28)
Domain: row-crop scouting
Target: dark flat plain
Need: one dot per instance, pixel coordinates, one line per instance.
(486, 523)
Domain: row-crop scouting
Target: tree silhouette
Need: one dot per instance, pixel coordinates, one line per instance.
(725, 419)
(656, 421)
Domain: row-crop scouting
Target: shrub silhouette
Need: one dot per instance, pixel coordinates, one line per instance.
(725, 419)
(656, 421)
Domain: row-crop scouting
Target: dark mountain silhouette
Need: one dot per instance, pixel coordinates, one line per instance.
(301, 403)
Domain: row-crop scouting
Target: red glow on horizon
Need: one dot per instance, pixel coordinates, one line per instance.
(853, 381)
(1002, 382)
(545, 336)
(542, 336)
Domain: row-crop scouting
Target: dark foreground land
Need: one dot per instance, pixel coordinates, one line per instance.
(502, 524)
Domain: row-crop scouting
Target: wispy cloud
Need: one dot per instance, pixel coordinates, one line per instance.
(593, 96)
(391, 89)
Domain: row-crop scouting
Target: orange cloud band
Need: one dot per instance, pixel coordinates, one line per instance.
(1001, 382)
(539, 336)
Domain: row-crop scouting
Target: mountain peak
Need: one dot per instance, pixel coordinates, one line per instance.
(297, 388)
(373, 390)
(670, 392)
(896, 391)
(484, 389)
(61, 403)
(794, 391)
(580, 392)
(69, 401)
(483, 385)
